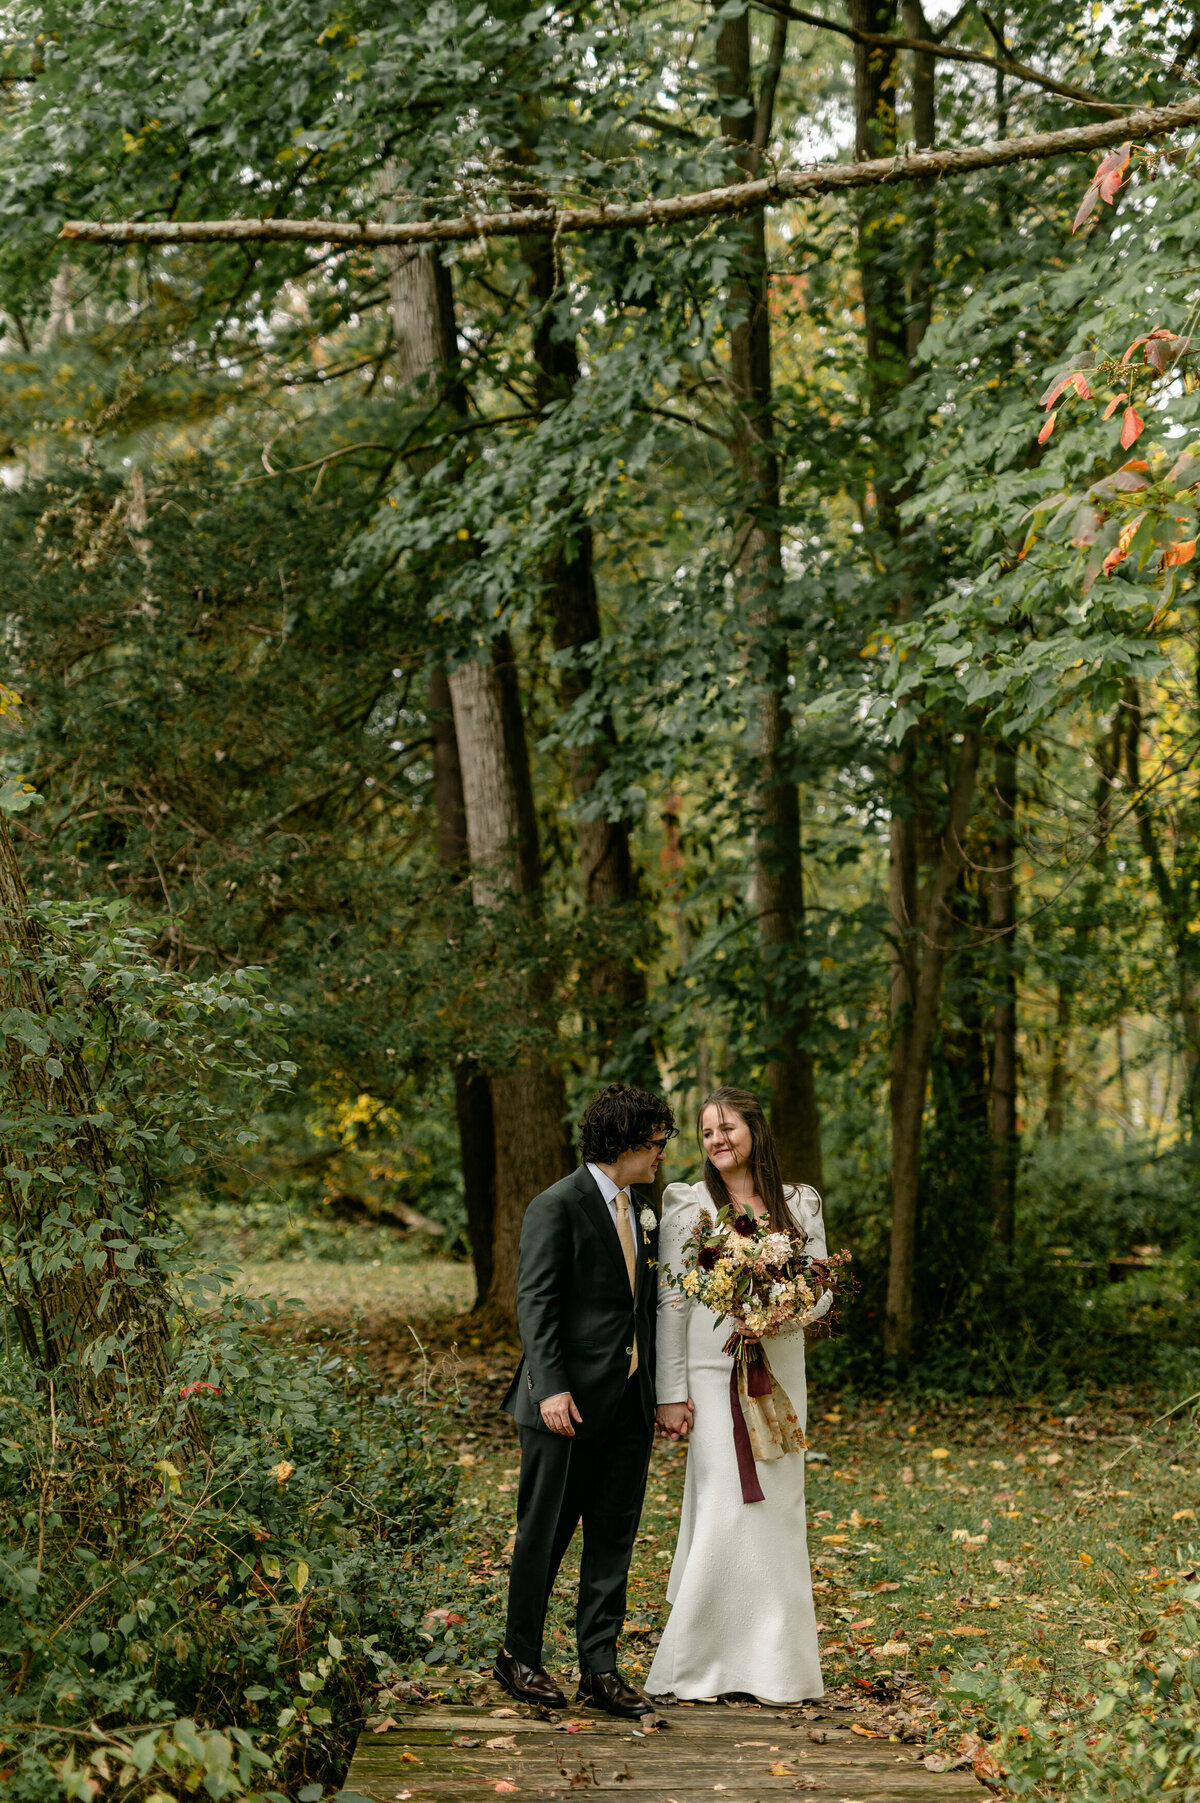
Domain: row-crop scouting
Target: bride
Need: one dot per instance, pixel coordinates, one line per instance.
(740, 1591)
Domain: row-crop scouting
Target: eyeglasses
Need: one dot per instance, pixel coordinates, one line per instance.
(655, 1145)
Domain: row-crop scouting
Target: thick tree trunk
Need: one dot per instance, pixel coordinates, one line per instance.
(606, 867)
(525, 1127)
(1004, 1147)
(908, 1110)
(67, 1299)
(778, 870)
(528, 1100)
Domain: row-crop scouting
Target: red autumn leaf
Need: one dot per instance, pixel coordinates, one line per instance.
(1087, 206)
(1132, 427)
(1046, 430)
(1071, 378)
(1117, 401)
(1182, 551)
(1165, 350)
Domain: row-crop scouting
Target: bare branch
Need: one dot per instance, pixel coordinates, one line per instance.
(737, 198)
(955, 53)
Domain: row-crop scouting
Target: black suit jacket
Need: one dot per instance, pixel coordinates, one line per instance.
(574, 1307)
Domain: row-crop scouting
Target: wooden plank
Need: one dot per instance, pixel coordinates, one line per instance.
(719, 1754)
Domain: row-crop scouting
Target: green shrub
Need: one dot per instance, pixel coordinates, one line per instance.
(253, 1585)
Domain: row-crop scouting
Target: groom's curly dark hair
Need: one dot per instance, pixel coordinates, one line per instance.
(618, 1120)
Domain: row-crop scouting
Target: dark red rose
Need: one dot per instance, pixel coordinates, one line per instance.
(707, 1258)
(744, 1224)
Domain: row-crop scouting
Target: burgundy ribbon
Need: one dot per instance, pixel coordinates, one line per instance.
(758, 1383)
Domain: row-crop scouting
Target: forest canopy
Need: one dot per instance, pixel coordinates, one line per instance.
(750, 643)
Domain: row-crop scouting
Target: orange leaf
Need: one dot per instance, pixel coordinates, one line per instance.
(1118, 555)
(1132, 427)
(1114, 404)
(1046, 430)
(1182, 551)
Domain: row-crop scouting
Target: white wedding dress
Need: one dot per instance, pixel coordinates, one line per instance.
(740, 1591)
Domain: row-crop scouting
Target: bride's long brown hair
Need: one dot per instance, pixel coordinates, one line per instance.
(764, 1159)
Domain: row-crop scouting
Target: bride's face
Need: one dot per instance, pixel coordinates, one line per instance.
(725, 1138)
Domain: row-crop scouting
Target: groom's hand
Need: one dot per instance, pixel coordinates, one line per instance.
(558, 1412)
(675, 1418)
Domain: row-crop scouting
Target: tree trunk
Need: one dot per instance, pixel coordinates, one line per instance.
(778, 869)
(472, 1092)
(908, 1110)
(1004, 1013)
(607, 874)
(1176, 905)
(1056, 1082)
(526, 1127)
(528, 1100)
(64, 1298)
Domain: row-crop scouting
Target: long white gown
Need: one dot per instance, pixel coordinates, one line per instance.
(740, 1590)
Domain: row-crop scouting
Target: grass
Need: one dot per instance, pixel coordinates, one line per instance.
(1048, 1543)
(966, 1534)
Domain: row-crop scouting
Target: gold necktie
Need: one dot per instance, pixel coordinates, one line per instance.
(625, 1235)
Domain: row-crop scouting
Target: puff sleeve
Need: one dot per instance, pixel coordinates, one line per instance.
(674, 1308)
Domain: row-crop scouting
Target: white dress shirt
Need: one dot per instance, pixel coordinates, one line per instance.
(608, 1189)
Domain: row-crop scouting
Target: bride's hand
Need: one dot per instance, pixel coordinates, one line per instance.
(747, 1334)
(675, 1418)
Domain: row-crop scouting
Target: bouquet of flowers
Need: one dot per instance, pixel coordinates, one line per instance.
(742, 1267)
(763, 1280)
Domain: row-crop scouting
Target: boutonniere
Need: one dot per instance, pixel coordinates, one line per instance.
(648, 1219)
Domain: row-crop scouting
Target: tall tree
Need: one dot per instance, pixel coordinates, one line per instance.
(528, 1102)
(607, 873)
(746, 123)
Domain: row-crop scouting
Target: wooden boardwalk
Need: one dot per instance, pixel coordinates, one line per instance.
(719, 1753)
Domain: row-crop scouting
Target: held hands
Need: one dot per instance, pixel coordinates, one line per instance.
(675, 1419)
(558, 1412)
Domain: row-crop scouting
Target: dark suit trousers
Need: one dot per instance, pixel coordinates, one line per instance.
(600, 1482)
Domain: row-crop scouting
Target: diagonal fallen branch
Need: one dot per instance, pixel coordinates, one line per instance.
(738, 197)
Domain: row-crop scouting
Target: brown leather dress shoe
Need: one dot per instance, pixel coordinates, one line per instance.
(609, 1691)
(528, 1683)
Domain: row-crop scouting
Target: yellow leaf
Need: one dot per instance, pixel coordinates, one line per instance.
(283, 1471)
(1086, 1559)
(301, 1575)
(940, 1452)
(780, 1770)
(1184, 1515)
(169, 1474)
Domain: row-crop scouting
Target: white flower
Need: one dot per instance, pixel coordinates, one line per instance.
(777, 1247)
(649, 1219)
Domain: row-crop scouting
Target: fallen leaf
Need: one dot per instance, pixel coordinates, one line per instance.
(868, 1621)
(867, 1733)
(806, 1782)
(509, 1715)
(1184, 1514)
(1106, 1645)
(407, 1758)
(940, 1452)
(780, 1769)
(820, 1735)
(505, 1784)
(283, 1471)
(389, 1721)
(464, 1740)
(891, 1649)
(401, 1796)
(502, 1742)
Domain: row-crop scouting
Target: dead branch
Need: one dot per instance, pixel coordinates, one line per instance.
(712, 203)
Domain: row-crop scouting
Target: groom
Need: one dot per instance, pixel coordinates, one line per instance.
(583, 1396)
